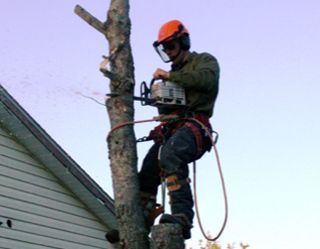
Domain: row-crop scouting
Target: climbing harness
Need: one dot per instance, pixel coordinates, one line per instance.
(175, 117)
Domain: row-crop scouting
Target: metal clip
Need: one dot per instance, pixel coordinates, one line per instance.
(143, 139)
(215, 138)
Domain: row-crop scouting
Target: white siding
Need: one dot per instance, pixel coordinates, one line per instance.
(42, 212)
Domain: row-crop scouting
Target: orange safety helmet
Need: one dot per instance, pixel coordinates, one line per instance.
(171, 30)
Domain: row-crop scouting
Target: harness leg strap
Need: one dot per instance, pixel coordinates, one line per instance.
(174, 184)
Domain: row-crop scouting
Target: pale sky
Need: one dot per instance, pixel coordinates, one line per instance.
(267, 112)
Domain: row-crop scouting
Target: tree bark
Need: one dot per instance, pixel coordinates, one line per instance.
(122, 145)
(122, 142)
(167, 236)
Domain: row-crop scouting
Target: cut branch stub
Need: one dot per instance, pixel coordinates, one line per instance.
(90, 19)
(167, 236)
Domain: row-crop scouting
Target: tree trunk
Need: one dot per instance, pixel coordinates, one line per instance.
(122, 145)
(122, 142)
(162, 232)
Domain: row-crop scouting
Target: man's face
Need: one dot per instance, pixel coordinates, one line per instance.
(171, 48)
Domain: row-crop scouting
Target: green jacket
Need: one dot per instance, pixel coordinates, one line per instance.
(199, 76)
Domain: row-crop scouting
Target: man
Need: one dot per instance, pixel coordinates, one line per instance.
(178, 143)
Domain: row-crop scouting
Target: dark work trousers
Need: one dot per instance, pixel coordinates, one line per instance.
(175, 154)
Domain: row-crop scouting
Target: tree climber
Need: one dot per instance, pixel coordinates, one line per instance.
(179, 142)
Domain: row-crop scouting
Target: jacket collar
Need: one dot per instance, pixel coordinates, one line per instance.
(187, 60)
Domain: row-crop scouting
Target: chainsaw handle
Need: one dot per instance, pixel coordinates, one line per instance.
(144, 93)
(151, 83)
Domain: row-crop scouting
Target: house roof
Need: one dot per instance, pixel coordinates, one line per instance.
(36, 140)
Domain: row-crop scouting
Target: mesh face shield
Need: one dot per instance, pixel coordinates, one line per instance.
(168, 35)
(160, 49)
(171, 43)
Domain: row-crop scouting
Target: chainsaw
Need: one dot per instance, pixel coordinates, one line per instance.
(162, 93)
(159, 94)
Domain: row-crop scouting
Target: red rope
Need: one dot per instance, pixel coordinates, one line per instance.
(224, 195)
(160, 118)
(128, 123)
(222, 184)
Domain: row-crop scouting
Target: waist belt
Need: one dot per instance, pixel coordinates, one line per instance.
(167, 129)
